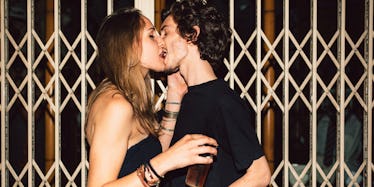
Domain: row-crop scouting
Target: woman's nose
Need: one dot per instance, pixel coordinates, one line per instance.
(160, 41)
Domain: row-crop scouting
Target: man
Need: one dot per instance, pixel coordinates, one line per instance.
(196, 38)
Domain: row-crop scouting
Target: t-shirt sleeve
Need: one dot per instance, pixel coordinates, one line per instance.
(241, 136)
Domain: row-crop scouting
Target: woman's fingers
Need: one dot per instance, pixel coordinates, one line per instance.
(203, 159)
(200, 145)
(199, 140)
(192, 149)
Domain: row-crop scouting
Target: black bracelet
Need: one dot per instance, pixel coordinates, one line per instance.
(170, 115)
(153, 170)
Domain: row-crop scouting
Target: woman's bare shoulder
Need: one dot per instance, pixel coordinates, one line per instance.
(110, 111)
(112, 103)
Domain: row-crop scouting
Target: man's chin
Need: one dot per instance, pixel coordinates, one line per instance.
(169, 71)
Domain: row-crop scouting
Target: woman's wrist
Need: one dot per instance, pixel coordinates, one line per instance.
(158, 165)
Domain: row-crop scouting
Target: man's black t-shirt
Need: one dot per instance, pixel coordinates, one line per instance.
(215, 110)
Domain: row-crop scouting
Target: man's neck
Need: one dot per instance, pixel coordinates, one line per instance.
(197, 72)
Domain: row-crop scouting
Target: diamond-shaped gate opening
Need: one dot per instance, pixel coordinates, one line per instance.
(299, 18)
(353, 143)
(17, 19)
(273, 78)
(301, 176)
(70, 75)
(328, 11)
(355, 25)
(354, 70)
(243, 57)
(44, 155)
(244, 71)
(244, 46)
(70, 60)
(326, 141)
(70, 24)
(18, 144)
(299, 132)
(44, 80)
(17, 72)
(71, 141)
(245, 85)
(272, 60)
(327, 71)
(244, 14)
(356, 104)
(300, 71)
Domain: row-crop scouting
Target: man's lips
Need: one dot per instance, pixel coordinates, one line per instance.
(163, 53)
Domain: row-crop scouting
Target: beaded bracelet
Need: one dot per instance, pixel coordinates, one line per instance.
(140, 173)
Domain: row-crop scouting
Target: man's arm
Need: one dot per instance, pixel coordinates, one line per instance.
(177, 87)
(257, 175)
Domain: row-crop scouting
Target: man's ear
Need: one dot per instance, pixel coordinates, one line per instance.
(197, 32)
(195, 35)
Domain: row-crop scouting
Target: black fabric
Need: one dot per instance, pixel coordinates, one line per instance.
(216, 110)
(139, 154)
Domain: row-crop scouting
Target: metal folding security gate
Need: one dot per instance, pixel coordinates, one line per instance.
(315, 75)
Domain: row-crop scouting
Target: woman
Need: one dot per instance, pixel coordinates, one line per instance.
(121, 127)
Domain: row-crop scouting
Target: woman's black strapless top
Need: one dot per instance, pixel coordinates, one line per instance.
(140, 153)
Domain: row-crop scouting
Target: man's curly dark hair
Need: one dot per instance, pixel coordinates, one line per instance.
(214, 36)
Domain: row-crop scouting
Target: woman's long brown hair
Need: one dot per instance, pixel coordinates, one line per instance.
(119, 50)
